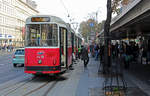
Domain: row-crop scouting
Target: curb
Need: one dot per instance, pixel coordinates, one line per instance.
(140, 84)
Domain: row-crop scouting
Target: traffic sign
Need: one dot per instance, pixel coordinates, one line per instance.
(91, 24)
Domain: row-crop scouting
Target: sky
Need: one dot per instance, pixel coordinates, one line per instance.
(78, 10)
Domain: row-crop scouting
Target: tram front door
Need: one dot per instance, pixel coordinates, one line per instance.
(63, 47)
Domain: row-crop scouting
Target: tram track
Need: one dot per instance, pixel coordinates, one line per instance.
(50, 88)
(54, 81)
(36, 89)
(49, 83)
(40, 87)
(31, 79)
(54, 84)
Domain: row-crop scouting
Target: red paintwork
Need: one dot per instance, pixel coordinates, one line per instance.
(49, 56)
(44, 72)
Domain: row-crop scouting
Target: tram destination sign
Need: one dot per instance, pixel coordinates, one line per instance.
(40, 19)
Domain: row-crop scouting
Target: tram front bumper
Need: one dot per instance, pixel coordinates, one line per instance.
(42, 69)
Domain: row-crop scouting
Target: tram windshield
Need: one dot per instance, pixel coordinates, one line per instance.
(43, 35)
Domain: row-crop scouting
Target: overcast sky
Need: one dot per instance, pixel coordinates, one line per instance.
(78, 9)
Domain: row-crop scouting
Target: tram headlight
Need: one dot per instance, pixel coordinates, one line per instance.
(39, 61)
(54, 62)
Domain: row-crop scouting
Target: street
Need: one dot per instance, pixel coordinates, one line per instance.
(78, 82)
(14, 82)
(7, 71)
(80, 48)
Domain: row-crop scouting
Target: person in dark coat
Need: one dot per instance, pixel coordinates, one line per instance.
(92, 50)
(84, 55)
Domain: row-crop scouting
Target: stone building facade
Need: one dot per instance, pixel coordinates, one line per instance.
(13, 14)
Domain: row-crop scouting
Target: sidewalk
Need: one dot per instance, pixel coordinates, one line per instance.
(3, 52)
(91, 84)
(141, 75)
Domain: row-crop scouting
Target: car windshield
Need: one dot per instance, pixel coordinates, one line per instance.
(19, 52)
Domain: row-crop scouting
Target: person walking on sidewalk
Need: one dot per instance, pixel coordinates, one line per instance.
(84, 55)
(96, 48)
(79, 52)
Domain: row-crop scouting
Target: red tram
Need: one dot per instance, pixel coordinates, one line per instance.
(77, 44)
(49, 45)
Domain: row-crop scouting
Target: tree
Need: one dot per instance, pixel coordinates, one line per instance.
(106, 36)
(116, 5)
(85, 28)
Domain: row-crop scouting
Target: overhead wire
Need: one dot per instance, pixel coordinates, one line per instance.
(68, 14)
(61, 1)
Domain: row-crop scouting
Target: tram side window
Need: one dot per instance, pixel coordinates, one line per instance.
(69, 39)
(62, 40)
(52, 36)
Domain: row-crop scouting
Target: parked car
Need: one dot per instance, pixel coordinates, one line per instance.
(18, 58)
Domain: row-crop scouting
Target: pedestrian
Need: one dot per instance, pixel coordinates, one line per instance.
(84, 55)
(79, 52)
(96, 51)
(92, 50)
(116, 50)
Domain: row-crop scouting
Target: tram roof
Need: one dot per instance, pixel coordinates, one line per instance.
(53, 19)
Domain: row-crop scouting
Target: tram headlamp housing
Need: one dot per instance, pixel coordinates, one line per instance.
(54, 62)
(39, 61)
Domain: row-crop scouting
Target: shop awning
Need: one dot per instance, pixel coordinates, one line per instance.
(10, 36)
(6, 36)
